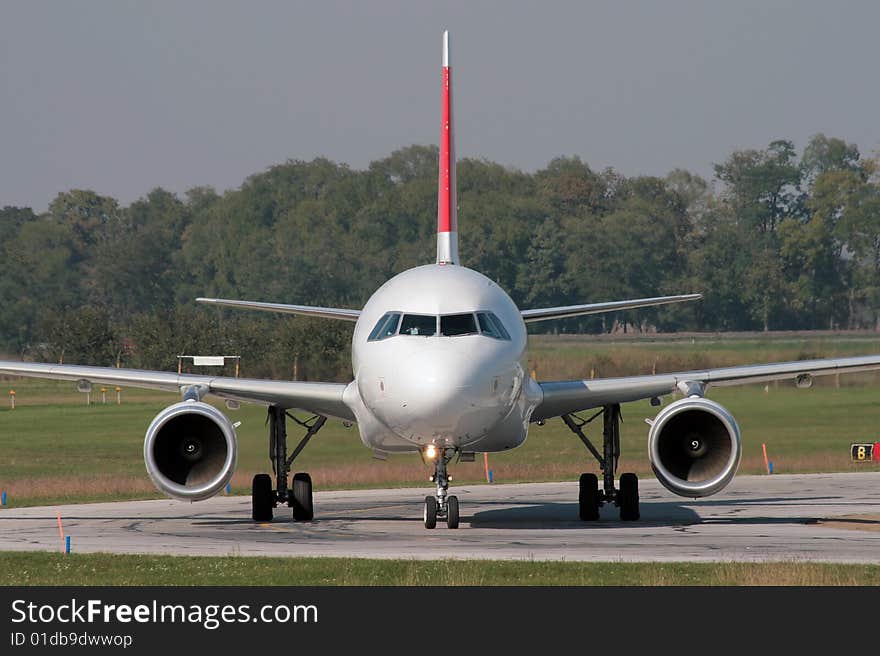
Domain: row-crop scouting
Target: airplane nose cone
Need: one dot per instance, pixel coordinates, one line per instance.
(434, 387)
(444, 396)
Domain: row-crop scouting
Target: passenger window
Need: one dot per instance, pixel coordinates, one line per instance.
(491, 326)
(457, 324)
(385, 327)
(422, 325)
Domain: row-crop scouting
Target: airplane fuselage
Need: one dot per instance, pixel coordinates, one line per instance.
(438, 358)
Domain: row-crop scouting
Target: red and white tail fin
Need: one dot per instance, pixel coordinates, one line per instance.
(447, 211)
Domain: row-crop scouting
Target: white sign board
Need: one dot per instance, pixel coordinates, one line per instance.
(209, 360)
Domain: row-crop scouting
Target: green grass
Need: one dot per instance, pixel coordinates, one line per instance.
(31, 568)
(65, 453)
(55, 449)
(579, 356)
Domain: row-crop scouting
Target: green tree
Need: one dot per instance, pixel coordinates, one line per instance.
(824, 154)
(859, 229)
(89, 215)
(85, 335)
(762, 186)
(569, 186)
(132, 269)
(38, 274)
(718, 259)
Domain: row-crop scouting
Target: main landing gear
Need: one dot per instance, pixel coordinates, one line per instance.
(299, 495)
(590, 499)
(441, 506)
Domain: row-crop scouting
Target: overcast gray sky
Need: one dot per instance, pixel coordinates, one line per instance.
(121, 96)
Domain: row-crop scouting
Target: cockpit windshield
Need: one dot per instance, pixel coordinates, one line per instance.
(423, 325)
(457, 324)
(386, 327)
(451, 325)
(491, 326)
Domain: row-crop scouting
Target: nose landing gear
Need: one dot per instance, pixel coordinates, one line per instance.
(441, 506)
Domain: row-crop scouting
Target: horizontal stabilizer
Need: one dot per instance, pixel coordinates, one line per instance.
(304, 310)
(545, 314)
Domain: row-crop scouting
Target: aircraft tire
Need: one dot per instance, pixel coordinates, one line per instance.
(430, 515)
(303, 508)
(588, 499)
(452, 512)
(262, 499)
(629, 497)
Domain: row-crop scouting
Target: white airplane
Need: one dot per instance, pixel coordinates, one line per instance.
(437, 357)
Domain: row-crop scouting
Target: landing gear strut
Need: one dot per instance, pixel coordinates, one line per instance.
(441, 506)
(299, 496)
(591, 498)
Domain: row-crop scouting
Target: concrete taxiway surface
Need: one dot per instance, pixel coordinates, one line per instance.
(823, 517)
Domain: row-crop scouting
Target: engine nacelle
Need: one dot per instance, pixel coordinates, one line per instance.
(695, 447)
(190, 451)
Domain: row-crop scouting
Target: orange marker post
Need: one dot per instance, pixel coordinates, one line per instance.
(12, 399)
(766, 461)
(60, 529)
(118, 395)
(486, 466)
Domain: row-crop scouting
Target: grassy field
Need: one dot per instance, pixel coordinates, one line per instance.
(583, 356)
(106, 569)
(55, 449)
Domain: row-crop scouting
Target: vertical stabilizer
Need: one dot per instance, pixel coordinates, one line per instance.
(447, 211)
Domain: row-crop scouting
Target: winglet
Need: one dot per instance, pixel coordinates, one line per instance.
(447, 212)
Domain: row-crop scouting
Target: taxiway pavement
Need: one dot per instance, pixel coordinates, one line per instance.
(821, 517)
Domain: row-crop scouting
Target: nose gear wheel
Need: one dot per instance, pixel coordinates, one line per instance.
(441, 506)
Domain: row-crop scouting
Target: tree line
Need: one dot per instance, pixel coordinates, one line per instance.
(776, 240)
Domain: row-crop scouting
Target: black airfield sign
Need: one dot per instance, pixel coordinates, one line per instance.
(864, 452)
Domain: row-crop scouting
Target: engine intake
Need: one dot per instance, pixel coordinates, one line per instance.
(190, 451)
(695, 447)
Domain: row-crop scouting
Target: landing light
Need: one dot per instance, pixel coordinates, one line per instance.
(430, 452)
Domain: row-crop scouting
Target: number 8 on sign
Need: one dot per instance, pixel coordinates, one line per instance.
(862, 452)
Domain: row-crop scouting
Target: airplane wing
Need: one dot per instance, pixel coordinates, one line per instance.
(320, 398)
(563, 397)
(543, 314)
(305, 310)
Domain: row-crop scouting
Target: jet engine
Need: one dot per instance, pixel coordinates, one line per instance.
(695, 447)
(190, 451)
